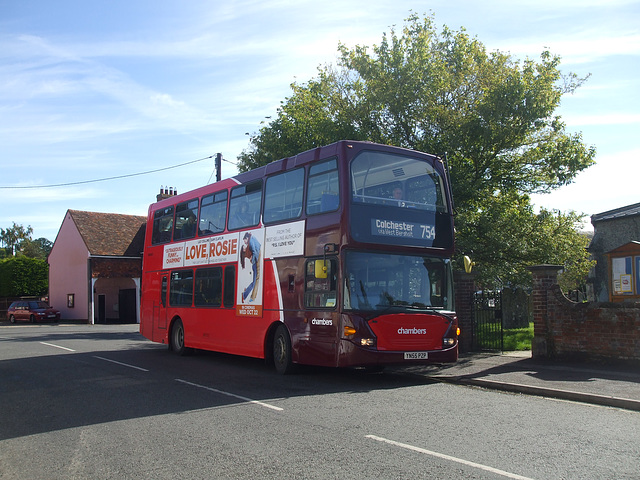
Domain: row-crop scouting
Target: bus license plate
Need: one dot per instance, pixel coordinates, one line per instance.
(416, 355)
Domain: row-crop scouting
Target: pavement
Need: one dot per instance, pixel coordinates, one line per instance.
(613, 384)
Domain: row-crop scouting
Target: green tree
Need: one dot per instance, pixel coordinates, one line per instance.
(506, 236)
(12, 237)
(38, 248)
(443, 92)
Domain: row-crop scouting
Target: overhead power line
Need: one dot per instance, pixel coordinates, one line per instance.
(68, 184)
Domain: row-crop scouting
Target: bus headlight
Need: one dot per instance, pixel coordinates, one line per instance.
(448, 342)
(367, 342)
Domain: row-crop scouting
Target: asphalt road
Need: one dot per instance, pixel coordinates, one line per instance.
(102, 402)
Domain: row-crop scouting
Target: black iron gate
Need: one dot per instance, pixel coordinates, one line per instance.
(487, 321)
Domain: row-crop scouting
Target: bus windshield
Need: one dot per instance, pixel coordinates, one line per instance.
(398, 181)
(377, 281)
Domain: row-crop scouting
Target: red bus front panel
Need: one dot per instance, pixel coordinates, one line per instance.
(410, 332)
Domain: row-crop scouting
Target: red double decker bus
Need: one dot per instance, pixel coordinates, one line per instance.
(338, 256)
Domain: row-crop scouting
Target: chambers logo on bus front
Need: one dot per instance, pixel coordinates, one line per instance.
(321, 321)
(412, 331)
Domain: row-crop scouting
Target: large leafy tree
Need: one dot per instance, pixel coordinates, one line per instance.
(38, 248)
(16, 241)
(442, 92)
(12, 237)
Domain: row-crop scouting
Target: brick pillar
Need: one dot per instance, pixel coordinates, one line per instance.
(544, 276)
(465, 286)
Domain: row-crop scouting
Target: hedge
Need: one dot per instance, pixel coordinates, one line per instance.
(23, 276)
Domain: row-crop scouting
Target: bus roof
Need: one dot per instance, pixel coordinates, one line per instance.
(281, 165)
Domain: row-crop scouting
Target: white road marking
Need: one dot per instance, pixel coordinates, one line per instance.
(123, 364)
(57, 346)
(449, 458)
(240, 397)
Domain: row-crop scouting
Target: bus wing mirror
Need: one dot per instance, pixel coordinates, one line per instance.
(320, 269)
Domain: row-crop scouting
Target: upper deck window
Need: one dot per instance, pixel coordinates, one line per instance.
(283, 196)
(244, 206)
(398, 181)
(186, 220)
(213, 214)
(162, 225)
(323, 194)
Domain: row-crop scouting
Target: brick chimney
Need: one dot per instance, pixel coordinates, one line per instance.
(166, 192)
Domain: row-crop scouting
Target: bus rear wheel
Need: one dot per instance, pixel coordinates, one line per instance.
(282, 351)
(177, 339)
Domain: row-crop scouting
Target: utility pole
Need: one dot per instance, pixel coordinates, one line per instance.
(218, 167)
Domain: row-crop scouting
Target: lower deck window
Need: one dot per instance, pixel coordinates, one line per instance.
(208, 287)
(181, 288)
(229, 286)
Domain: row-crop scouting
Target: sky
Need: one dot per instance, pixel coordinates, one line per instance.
(102, 89)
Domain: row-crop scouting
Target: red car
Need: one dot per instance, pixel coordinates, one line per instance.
(32, 311)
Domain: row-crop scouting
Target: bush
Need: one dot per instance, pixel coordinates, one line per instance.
(23, 276)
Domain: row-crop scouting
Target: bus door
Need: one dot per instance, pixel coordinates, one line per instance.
(321, 316)
(160, 306)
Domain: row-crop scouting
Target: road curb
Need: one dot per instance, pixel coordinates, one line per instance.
(592, 398)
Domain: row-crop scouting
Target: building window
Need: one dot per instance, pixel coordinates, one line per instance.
(71, 300)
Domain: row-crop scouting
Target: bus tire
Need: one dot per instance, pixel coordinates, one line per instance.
(177, 339)
(282, 351)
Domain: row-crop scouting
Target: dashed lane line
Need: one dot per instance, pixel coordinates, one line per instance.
(57, 346)
(240, 397)
(120, 363)
(449, 458)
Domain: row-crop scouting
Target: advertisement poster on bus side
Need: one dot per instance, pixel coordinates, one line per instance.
(250, 273)
(173, 255)
(284, 240)
(203, 251)
(219, 249)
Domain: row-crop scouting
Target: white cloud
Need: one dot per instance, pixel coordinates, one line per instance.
(611, 183)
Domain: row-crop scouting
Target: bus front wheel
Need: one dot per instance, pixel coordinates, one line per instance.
(282, 351)
(177, 338)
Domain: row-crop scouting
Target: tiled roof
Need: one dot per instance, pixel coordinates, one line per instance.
(111, 234)
(628, 211)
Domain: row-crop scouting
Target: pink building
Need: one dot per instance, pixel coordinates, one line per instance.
(95, 267)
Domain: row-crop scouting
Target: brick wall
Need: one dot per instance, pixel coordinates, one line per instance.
(465, 287)
(116, 267)
(563, 328)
